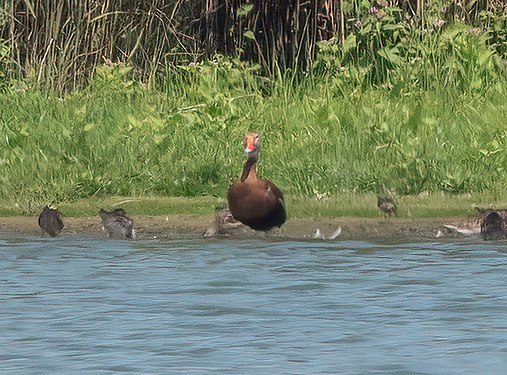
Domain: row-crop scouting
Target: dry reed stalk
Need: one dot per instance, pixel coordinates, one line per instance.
(59, 43)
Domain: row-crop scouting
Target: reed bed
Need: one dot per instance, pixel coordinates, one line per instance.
(59, 44)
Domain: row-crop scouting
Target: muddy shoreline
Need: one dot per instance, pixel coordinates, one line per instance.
(150, 227)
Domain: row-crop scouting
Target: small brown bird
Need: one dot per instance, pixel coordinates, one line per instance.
(494, 223)
(256, 202)
(117, 223)
(223, 224)
(387, 205)
(50, 221)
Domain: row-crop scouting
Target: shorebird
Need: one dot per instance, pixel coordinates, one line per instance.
(50, 221)
(223, 224)
(493, 223)
(117, 223)
(387, 205)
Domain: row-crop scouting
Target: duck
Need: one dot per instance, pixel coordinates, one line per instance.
(117, 223)
(50, 221)
(387, 205)
(223, 224)
(257, 203)
(494, 224)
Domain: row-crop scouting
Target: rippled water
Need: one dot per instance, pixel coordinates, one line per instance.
(243, 307)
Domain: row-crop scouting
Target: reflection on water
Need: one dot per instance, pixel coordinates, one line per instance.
(253, 306)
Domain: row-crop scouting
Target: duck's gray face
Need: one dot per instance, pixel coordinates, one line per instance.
(252, 145)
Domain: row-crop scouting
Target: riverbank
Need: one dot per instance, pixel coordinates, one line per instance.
(421, 216)
(169, 226)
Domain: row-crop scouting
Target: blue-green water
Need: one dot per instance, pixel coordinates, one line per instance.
(86, 306)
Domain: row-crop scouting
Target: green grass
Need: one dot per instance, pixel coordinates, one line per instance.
(324, 134)
(426, 205)
(152, 206)
(358, 205)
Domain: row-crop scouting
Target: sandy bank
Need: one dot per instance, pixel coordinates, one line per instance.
(149, 227)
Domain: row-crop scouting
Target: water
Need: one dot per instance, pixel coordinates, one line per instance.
(85, 306)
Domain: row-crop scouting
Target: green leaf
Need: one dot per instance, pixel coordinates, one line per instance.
(391, 55)
(88, 127)
(392, 27)
(244, 10)
(249, 35)
(350, 43)
(134, 122)
(415, 119)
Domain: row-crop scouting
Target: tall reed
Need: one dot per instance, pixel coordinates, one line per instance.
(58, 44)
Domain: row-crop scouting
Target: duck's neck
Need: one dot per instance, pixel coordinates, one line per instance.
(249, 170)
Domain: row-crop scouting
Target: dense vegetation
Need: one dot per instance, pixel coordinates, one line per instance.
(411, 104)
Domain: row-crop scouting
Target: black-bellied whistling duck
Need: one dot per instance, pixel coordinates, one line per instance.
(117, 223)
(50, 221)
(253, 201)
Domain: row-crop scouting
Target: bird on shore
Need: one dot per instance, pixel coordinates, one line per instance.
(256, 202)
(319, 235)
(50, 221)
(117, 223)
(223, 224)
(447, 230)
(387, 205)
(493, 224)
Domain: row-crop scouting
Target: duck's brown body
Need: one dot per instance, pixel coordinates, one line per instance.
(256, 202)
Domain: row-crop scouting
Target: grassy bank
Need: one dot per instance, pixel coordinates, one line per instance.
(118, 138)
(344, 205)
(427, 115)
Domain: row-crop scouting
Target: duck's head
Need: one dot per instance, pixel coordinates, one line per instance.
(252, 144)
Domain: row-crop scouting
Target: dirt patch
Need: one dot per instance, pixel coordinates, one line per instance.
(149, 227)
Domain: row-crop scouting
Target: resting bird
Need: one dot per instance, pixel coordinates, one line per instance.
(117, 223)
(223, 224)
(256, 202)
(493, 224)
(50, 221)
(386, 204)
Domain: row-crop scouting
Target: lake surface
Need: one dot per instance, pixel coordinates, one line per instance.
(188, 306)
